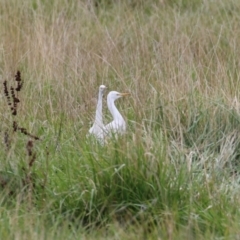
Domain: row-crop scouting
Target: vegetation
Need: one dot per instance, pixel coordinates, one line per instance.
(175, 174)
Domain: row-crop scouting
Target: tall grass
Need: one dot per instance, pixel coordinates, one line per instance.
(174, 174)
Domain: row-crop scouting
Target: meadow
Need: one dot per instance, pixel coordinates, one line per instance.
(175, 174)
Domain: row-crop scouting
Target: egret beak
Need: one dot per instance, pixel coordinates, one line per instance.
(124, 94)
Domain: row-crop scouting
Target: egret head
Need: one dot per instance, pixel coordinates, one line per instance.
(113, 95)
(102, 88)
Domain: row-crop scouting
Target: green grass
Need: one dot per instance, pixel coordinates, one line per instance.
(175, 173)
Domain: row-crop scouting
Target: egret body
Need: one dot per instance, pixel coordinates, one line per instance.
(118, 125)
(97, 128)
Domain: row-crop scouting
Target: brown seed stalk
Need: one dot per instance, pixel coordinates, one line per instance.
(6, 93)
(19, 81)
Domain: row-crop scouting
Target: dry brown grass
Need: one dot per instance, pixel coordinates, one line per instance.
(67, 52)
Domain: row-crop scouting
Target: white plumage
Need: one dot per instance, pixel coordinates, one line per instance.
(98, 126)
(118, 125)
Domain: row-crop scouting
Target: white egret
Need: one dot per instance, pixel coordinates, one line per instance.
(98, 125)
(118, 124)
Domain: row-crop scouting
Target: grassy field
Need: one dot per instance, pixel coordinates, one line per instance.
(175, 174)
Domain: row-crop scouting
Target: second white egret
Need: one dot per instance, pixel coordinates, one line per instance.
(97, 128)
